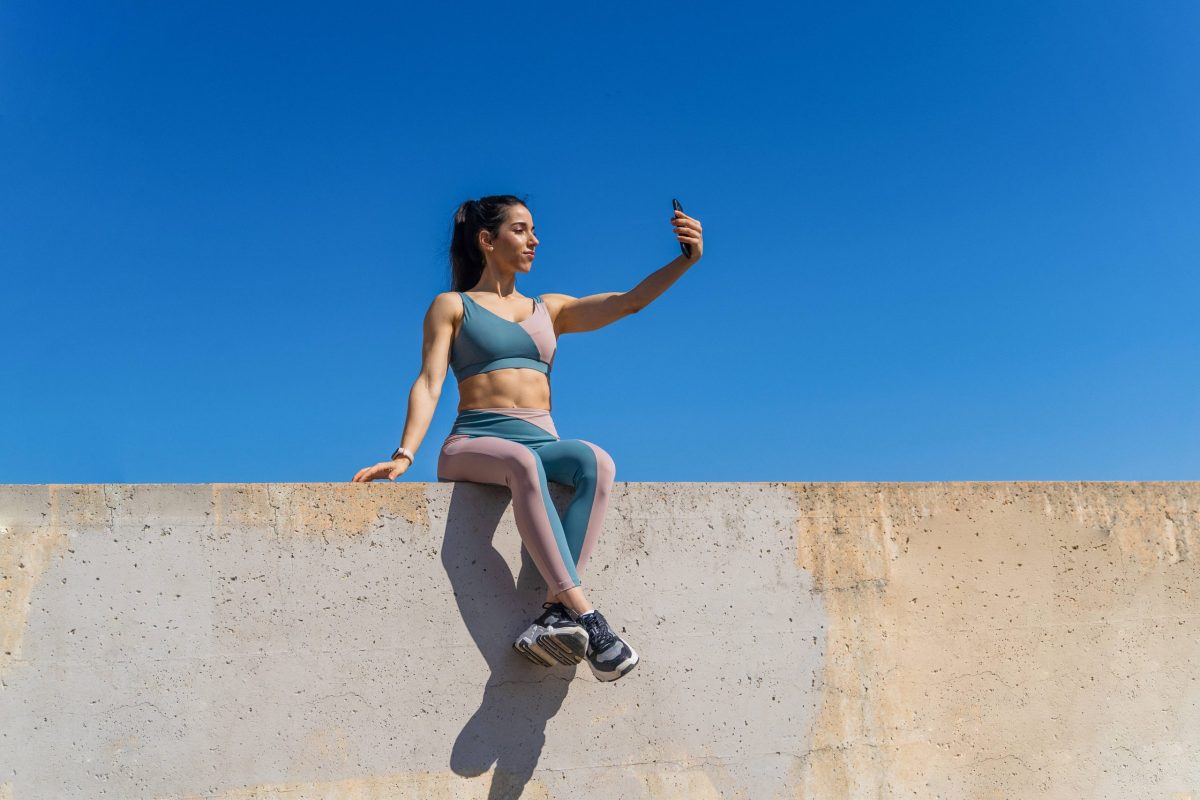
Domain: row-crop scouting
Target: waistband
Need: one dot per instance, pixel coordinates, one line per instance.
(480, 420)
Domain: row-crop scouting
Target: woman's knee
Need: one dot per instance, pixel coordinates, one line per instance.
(604, 469)
(521, 468)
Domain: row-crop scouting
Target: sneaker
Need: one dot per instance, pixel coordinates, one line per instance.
(554, 636)
(608, 654)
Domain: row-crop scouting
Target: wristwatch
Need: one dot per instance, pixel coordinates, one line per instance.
(402, 451)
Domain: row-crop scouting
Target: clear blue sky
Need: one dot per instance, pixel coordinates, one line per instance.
(944, 241)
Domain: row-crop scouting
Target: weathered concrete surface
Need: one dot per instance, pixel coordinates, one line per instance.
(963, 640)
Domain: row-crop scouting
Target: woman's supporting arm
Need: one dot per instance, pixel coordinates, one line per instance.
(426, 389)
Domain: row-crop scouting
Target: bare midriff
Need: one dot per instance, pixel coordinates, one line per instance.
(505, 388)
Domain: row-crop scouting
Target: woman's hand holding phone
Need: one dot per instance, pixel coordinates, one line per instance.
(688, 231)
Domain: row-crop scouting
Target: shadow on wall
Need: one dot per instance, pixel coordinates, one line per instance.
(509, 729)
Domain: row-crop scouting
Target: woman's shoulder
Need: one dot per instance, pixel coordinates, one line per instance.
(447, 305)
(554, 300)
(448, 299)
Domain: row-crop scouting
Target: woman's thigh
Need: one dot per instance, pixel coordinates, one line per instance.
(485, 459)
(575, 461)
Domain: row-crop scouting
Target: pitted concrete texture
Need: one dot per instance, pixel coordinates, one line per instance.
(350, 641)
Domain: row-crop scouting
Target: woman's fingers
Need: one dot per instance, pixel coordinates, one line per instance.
(368, 474)
(689, 231)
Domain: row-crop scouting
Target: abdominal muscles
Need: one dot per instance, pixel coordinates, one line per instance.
(505, 388)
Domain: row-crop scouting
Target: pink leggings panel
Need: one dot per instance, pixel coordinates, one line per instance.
(559, 546)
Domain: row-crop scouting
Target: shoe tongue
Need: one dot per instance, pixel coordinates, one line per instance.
(604, 636)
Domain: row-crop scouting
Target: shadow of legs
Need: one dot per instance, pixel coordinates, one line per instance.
(509, 728)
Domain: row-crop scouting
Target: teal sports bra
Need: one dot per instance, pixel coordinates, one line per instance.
(487, 341)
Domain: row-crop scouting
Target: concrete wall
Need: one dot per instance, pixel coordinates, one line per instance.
(962, 640)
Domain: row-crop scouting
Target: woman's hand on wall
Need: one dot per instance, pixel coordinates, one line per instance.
(384, 469)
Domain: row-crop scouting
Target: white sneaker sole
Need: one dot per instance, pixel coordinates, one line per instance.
(544, 646)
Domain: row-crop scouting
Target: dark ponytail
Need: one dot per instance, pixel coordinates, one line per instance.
(466, 259)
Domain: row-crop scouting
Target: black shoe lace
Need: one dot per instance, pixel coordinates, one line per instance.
(551, 610)
(599, 634)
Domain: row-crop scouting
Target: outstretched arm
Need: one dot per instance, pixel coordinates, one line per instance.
(579, 314)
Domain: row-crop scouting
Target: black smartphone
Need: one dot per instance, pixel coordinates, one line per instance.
(686, 248)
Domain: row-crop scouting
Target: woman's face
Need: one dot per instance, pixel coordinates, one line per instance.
(514, 245)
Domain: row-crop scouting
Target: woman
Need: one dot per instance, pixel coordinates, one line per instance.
(501, 346)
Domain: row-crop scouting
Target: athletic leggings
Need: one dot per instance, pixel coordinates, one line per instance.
(519, 448)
